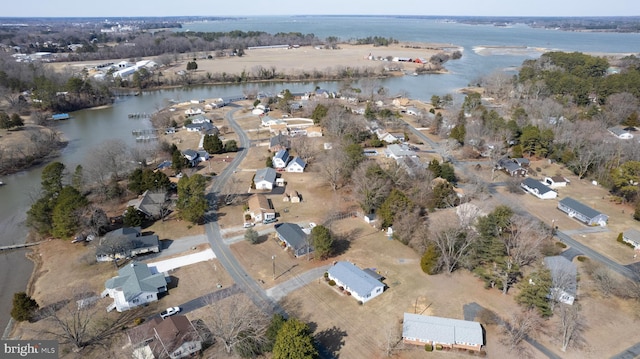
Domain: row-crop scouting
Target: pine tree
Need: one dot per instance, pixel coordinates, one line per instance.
(23, 307)
(534, 292)
(294, 341)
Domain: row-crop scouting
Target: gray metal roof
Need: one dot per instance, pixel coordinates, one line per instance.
(632, 234)
(563, 273)
(292, 234)
(136, 278)
(441, 330)
(531, 183)
(355, 278)
(299, 161)
(266, 174)
(282, 154)
(579, 207)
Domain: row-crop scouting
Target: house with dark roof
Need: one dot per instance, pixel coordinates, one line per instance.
(362, 284)
(135, 285)
(279, 142)
(581, 212)
(632, 236)
(193, 157)
(281, 159)
(296, 165)
(126, 242)
(451, 333)
(174, 337)
(151, 204)
(564, 277)
(265, 178)
(511, 167)
(538, 189)
(294, 239)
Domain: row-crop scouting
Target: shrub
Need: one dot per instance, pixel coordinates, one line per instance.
(332, 282)
(23, 307)
(561, 245)
(620, 238)
(360, 302)
(582, 259)
(348, 293)
(138, 321)
(438, 346)
(428, 347)
(341, 288)
(326, 274)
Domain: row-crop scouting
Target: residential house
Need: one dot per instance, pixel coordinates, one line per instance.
(623, 133)
(294, 239)
(581, 212)
(260, 208)
(314, 131)
(135, 285)
(451, 333)
(199, 119)
(203, 155)
(386, 136)
(265, 178)
(401, 102)
(267, 121)
(174, 337)
(564, 278)
(511, 167)
(204, 127)
(281, 159)
(126, 242)
(556, 181)
(151, 204)
(279, 128)
(632, 236)
(193, 111)
(538, 189)
(396, 151)
(363, 285)
(296, 165)
(193, 157)
(279, 142)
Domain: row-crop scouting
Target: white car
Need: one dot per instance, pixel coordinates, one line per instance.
(169, 312)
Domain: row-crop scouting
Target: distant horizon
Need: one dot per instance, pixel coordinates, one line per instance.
(250, 8)
(328, 15)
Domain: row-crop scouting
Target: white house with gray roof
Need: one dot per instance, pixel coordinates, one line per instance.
(296, 165)
(452, 333)
(623, 133)
(134, 286)
(564, 277)
(362, 285)
(632, 236)
(265, 178)
(538, 189)
(581, 212)
(396, 151)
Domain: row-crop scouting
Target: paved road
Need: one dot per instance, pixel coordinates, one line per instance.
(631, 353)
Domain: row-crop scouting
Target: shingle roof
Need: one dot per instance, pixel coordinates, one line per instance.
(579, 207)
(355, 278)
(531, 183)
(266, 174)
(563, 273)
(441, 330)
(633, 234)
(279, 139)
(136, 278)
(298, 161)
(292, 234)
(282, 154)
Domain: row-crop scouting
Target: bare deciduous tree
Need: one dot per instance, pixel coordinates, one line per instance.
(452, 243)
(392, 342)
(370, 188)
(516, 329)
(305, 147)
(237, 324)
(570, 325)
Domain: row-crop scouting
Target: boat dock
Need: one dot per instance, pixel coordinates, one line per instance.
(146, 131)
(18, 246)
(140, 115)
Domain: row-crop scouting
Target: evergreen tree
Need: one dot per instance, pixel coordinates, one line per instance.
(396, 202)
(65, 213)
(77, 181)
(23, 307)
(434, 167)
(231, 146)
(132, 217)
(458, 133)
(212, 144)
(277, 321)
(251, 236)
(322, 241)
(191, 201)
(429, 260)
(294, 341)
(51, 178)
(534, 292)
(16, 121)
(636, 213)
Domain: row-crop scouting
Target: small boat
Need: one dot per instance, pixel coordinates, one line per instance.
(1, 183)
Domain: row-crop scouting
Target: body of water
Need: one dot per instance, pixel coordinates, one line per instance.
(88, 128)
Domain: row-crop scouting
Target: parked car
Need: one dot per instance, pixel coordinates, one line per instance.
(248, 225)
(169, 312)
(269, 220)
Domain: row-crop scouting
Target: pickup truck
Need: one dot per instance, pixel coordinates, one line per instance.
(169, 312)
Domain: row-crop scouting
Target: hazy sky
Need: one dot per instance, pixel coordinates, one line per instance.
(91, 8)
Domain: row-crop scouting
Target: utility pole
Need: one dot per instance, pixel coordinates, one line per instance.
(273, 259)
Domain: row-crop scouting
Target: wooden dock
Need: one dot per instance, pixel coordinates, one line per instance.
(19, 246)
(140, 115)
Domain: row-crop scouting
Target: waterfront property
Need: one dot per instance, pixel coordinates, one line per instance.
(134, 286)
(581, 212)
(451, 333)
(126, 242)
(363, 285)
